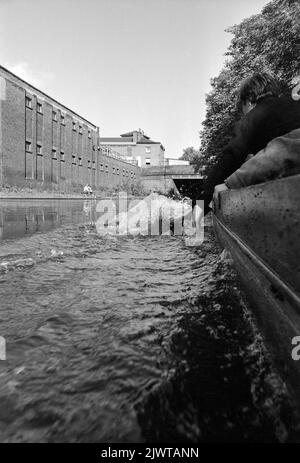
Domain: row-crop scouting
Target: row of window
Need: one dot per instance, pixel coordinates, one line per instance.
(28, 148)
(90, 164)
(28, 104)
(39, 108)
(116, 171)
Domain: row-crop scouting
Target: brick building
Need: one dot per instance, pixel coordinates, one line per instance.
(45, 144)
(115, 171)
(136, 146)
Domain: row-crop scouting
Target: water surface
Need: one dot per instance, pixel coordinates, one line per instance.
(125, 339)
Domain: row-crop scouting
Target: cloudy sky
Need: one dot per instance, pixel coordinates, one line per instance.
(124, 64)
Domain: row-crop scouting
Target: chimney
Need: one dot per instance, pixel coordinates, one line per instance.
(135, 136)
(140, 134)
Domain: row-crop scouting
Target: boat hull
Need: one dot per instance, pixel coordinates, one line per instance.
(260, 226)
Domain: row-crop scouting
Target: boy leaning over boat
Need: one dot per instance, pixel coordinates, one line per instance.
(267, 140)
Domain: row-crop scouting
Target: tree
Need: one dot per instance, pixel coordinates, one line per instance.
(189, 154)
(268, 42)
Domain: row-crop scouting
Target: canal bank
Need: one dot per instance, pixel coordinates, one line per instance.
(32, 194)
(128, 339)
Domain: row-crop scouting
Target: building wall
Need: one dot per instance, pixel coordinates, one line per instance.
(115, 172)
(140, 152)
(176, 162)
(46, 145)
(13, 132)
(156, 154)
(158, 183)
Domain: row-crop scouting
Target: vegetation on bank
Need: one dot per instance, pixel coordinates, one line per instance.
(133, 189)
(7, 191)
(269, 42)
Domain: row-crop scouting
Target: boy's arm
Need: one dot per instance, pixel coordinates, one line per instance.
(231, 159)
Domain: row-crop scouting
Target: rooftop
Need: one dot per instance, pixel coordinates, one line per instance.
(130, 134)
(128, 137)
(7, 71)
(116, 140)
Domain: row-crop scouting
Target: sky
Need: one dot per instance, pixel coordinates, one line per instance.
(124, 64)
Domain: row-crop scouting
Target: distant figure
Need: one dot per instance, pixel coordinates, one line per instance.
(87, 190)
(267, 115)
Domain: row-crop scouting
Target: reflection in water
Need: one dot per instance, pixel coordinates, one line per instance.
(19, 218)
(125, 339)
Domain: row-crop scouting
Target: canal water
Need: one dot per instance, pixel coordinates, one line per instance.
(126, 339)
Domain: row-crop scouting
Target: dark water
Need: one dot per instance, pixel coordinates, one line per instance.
(126, 339)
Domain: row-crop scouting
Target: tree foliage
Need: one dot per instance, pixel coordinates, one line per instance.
(264, 42)
(190, 154)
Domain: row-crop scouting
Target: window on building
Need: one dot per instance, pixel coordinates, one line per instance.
(89, 133)
(89, 163)
(106, 168)
(54, 116)
(127, 173)
(74, 125)
(74, 159)
(113, 170)
(118, 171)
(148, 161)
(54, 155)
(39, 108)
(102, 167)
(62, 156)
(28, 146)
(28, 102)
(80, 129)
(123, 172)
(148, 149)
(80, 161)
(131, 174)
(39, 150)
(62, 119)
(94, 165)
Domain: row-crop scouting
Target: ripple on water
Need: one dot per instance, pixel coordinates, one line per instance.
(125, 340)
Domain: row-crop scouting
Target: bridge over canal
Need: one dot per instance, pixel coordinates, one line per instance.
(163, 179)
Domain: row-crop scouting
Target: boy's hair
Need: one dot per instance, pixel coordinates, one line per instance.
(258, 86)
